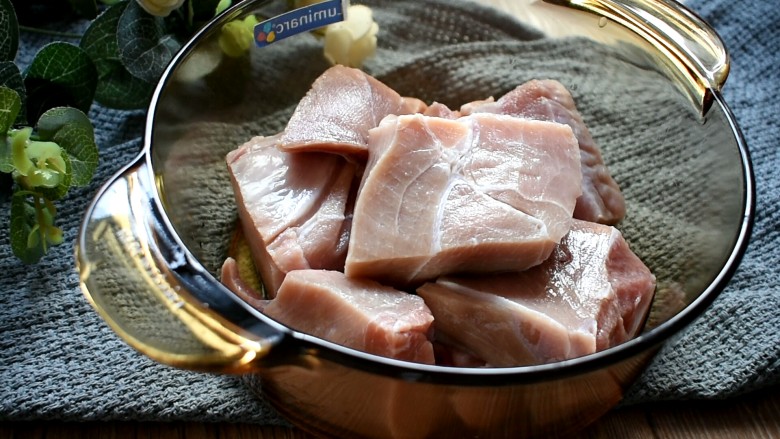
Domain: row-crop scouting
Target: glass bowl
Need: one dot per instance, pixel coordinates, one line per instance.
(646, 77)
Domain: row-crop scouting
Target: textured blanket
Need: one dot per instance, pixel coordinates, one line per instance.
(59, 360)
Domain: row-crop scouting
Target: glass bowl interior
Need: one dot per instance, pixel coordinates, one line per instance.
(682, 173)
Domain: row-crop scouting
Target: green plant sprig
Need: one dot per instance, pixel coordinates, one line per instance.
(47, 141)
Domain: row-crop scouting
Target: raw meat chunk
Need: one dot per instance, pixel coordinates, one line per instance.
(358, 313)
(484, 193)
(292, 208)
(412, 105)
(591, 294)
(472, 106)
(339, 109)
(437, 109)
(601, 200)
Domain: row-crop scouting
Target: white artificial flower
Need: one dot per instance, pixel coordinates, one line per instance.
(352, 41)
(199, 63)
(160, 8)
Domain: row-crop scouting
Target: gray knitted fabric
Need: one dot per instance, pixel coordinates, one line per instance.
(735, 346)
(59, 360)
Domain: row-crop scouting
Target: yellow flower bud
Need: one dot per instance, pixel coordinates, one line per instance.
(237, 36)
(54, 235)
(19, 157)
(160, 8)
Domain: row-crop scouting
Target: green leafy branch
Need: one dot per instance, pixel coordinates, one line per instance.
(47, 141)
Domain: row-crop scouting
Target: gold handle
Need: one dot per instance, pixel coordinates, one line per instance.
(152, 294)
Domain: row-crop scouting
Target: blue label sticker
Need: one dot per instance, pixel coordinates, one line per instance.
(299, 20)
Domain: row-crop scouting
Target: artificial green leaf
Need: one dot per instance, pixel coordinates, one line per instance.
(10, 103)
(23, 221)
(11, 77)
(122, 90)
(85, 8)
(52, 122)
(145, 47)
(61, 74)
(116, 88)
(9, 31)
(73, 132)
(9, 108)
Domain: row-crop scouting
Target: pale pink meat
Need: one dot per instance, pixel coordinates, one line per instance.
(473, 208)
(357, 313)
(336, 114)
(292, 208)
(438, 109)
(471, 107)
(485, 193)
(591, 294)
(601, 200)
(412, 105)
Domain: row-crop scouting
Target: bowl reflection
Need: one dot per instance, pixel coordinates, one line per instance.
(155, 238)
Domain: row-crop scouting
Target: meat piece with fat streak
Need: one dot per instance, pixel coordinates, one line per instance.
(484, 193)
(293, 208)
(591, 294)
(357, 313)
(336, 114)
(601, 200)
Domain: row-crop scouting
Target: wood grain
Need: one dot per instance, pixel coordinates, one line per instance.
(755, 416)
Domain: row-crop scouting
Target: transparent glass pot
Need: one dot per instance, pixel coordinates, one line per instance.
(646, 76)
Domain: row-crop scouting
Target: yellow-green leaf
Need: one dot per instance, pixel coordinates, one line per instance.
(73, 132)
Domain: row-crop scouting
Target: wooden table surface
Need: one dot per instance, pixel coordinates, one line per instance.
(754, 416)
